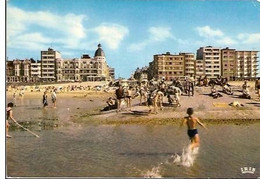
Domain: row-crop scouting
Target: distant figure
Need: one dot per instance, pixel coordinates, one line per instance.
(200, 81)
(9, 116)
(245, 86)
(149, 101)
(192, 132)
(14, 97)
(177, 98)
(205, 81)
(158, 101)
(111, 104)
(170, 99)
(119, 97)
(54, 98)
(214, 93)
(227, 89)
(245, 91)
(44, 99)
(257, 86)
(21, 93)
(129, 97)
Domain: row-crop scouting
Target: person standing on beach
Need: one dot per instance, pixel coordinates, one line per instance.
(54, 98)
(14, 97)
(44, 99)
(9, 116)
(119, 97)
(192, 132)
(129, 97)
(257, 86)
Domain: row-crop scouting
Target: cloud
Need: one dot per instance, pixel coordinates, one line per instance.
(156, 34)
(160, 33)
(32, 41)
(111, 34)
(42, 28)
(207, 31)
(226, 41)
(246, 38)
(213, 36)
(66, 29)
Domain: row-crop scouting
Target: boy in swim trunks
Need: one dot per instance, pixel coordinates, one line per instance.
(191, 122)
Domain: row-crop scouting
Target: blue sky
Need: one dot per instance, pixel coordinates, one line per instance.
(130, 31)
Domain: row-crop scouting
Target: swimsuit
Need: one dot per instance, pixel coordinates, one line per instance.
(192, 132)
(44, 101)
(119, 94)
(150, 101)
(8, 113)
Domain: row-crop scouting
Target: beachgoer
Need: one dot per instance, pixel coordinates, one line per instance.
(149, 101)
(205, 81)
(158, 101)
(143, 94)
(177, 98)
(119, 97)
(129, 97)
(245, 86)
(170, 99)
(14, 97)
(191, 123)
(9, 116)
(257, 86)
(54, 98)
(44, 99)
(112, 104)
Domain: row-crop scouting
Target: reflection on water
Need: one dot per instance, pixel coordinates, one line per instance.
(125, 150)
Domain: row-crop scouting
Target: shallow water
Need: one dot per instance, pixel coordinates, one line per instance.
(72, 149)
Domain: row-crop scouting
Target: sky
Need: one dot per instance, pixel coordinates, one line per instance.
(130, 31)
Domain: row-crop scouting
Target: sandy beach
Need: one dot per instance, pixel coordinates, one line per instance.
(206, 108)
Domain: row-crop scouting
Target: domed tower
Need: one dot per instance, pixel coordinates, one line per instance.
(99, 54)
(101, 63)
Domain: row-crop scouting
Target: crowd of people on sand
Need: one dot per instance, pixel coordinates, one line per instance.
(152, 93)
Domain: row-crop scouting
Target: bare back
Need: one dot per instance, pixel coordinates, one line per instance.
(191, 122)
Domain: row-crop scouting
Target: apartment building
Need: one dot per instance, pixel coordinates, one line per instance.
(48, 64)
(35, 71)
(167, 66)
(211, 58)
(189, 64)
(20, 71)
(228, 63)
(246, 64)
(27, 70)
(199, 68)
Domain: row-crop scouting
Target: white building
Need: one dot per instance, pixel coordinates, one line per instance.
(48, 64)
(211, 58)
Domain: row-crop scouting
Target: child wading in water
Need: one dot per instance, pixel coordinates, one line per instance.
(44, 99)
(9, 115)
(191, 122)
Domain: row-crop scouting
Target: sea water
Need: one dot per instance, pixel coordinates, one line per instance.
(72, 149)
